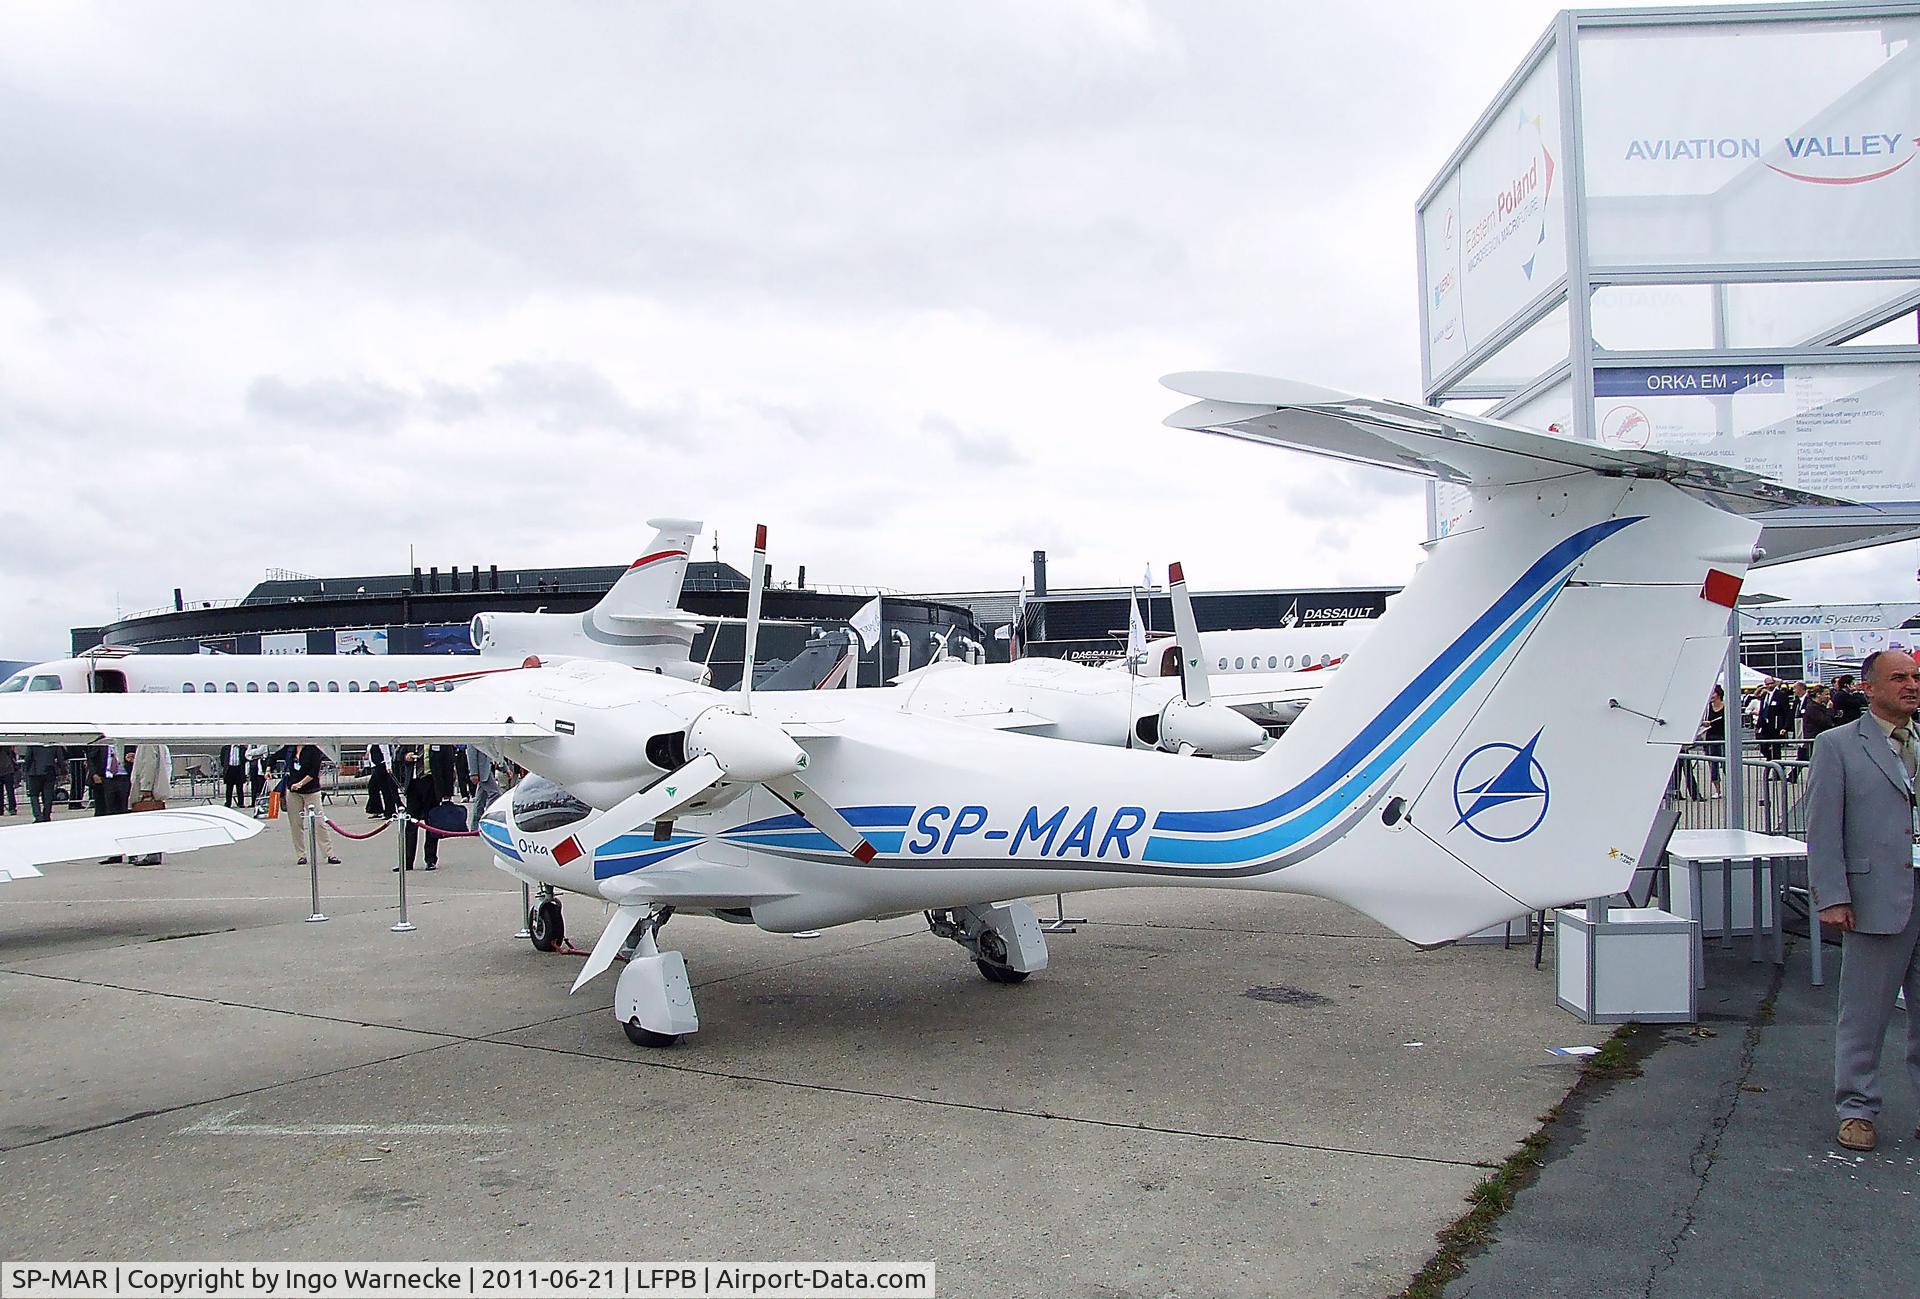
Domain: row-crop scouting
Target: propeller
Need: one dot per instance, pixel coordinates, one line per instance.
(1193, 722)
(728, 744)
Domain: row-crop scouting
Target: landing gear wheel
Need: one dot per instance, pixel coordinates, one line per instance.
(1000, 973)
(546, 927)
(647, 1037)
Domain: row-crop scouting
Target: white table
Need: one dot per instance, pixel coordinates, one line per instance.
(1733, 850)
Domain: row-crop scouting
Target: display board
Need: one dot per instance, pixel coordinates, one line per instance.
(283, 642)
(360, 642)
(1495, 235)
(1764, 142)
(1844, 430)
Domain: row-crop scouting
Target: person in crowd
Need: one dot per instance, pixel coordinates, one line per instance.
(1848, 703)
(486, 783)
(9, 781)
(1711, 738)
(257, 776)
(1777, 719)
(111, 782)
(427, 773)
(150, 776)
(462, 773)
(382, 793)
(233, 773)
(44, 762)
(1816, 718)
(302, 794)
(1860, 860)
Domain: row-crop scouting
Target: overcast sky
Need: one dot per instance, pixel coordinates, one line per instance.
(302, 286)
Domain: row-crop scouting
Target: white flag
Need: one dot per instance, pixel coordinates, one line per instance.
(1136, 638)
(866, 623)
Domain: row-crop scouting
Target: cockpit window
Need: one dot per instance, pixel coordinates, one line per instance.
(540, 805)
(45, 683)
(14, 684)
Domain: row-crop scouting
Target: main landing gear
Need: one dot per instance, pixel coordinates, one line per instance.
(1003, 938)
(546, 927)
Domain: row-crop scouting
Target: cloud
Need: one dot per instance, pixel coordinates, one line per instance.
(973, 446)
(342, 405)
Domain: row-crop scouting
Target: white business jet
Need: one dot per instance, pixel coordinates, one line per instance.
(637, 622)
(1500, 746)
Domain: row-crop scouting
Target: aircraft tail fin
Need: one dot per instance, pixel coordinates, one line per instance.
(649, 591)
(1500, 741)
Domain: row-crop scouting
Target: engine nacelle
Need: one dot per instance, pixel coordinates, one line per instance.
(1209, 728)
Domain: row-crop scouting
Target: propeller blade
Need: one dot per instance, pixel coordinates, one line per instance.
(754, 592)
(612, 939)
(657, 802)
(821, 815)
(1193, 668)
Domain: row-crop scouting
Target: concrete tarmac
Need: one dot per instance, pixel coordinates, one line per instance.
(1208, 1093)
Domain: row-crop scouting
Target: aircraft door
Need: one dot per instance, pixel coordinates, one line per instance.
(108, 681)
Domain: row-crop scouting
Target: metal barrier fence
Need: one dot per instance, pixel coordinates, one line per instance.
(1773, 791)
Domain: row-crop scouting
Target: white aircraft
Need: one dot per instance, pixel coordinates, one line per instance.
(1069, 701)
(636, 622)
(1500, 747)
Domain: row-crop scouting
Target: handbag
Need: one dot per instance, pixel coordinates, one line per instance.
(148, 805)
(448, 817)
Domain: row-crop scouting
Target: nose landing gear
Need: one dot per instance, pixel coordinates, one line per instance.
(1003, 938)
(546, 927)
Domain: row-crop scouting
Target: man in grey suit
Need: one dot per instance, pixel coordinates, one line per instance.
(1861, 859)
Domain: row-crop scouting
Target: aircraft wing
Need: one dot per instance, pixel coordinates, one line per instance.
(451, 717)
(25, 848)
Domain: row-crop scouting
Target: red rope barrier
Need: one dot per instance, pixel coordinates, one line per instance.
(346, 833)
(438, 833)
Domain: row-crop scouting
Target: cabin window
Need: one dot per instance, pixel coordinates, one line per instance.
(353, 687)
(45, 683)
(186, 687)
(393, 685)
(1239, 663)
(1273, 660)
(293, 687)
(313, 687)
(273, 687)
(1289, 660)
(233, 688)
(333, 687)
(210, 689)
(1325, 659)
(1223, 665)
(253, 687)
(13, 685)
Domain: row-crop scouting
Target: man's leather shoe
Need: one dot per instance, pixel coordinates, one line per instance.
(1857, 1134)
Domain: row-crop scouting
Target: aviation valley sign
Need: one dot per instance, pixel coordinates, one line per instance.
(1825, 159)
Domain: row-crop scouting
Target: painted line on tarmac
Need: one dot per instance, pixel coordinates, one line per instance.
(223, 1125)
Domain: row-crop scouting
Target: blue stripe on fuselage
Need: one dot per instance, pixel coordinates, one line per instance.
(1550, 568)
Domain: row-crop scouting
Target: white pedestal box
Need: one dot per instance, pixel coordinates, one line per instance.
(1636, 967)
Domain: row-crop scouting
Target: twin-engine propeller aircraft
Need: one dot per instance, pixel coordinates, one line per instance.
(1498, 746)
(637, 622)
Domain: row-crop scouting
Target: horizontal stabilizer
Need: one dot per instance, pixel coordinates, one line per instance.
(1450, 445)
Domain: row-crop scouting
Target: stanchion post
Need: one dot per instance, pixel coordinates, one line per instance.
(526, 909)
(313, 862)
(400, 863)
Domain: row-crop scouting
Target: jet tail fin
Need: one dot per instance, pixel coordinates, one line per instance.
(649, 591)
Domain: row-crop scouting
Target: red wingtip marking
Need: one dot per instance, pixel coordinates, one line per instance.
(1721, 588)
(759, 536)
(864, 853)
(1175, 573)
(567, 850)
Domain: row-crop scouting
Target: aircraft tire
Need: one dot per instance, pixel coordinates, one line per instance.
(1000, 973)
(647, 1037)
(546, 927)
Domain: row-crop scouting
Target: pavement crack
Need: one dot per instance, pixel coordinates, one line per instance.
(1706, 1152)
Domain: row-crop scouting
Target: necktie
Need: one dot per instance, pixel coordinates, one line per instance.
(1903, 745)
